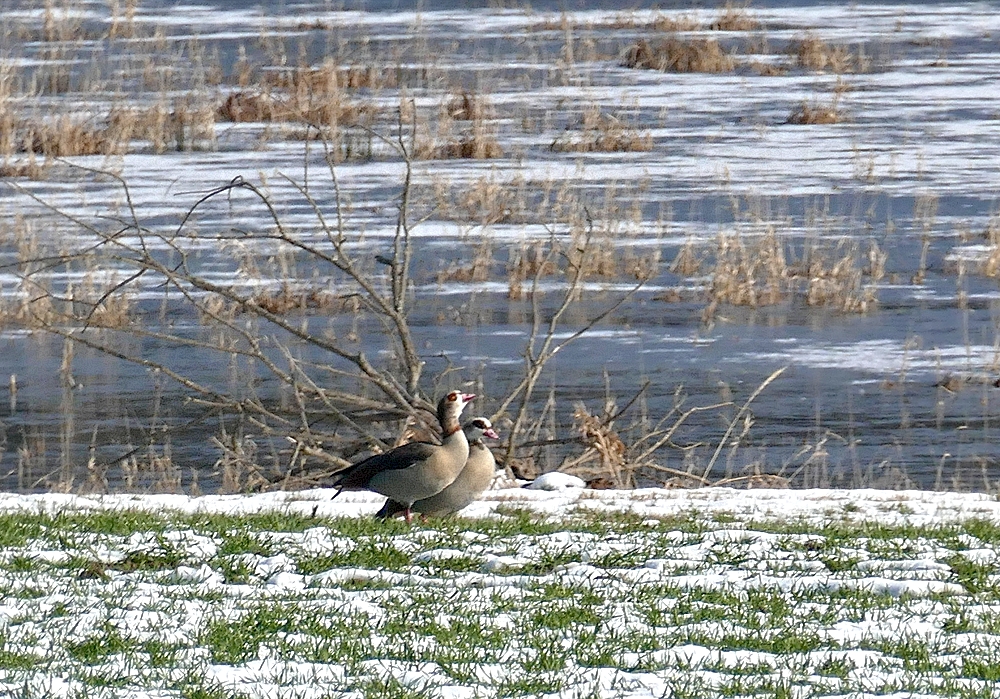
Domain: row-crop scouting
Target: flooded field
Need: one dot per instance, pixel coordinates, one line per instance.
(223, 227)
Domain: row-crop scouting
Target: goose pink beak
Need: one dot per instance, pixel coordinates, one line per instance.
(491, 433)
(468, 397)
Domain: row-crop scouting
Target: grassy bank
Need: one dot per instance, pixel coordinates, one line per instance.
(647, 593)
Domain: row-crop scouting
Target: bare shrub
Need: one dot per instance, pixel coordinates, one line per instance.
(680, 56)
(325, 410)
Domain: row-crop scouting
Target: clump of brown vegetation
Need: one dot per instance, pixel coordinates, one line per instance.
(528, 261)
(478, 270)
(757, 273)
(767, 69)
(476, 140)
(287, 300)
(305, 95)
(602, 133)
(812, 53)
(678, 23)
(988, 266)
(735, 18)
(62, 136)
(815, 113)
(254, 106)
(687, 263)
(469, 106)
(241, 107)
(469, 148)
(679, 56)
(753, 274)
(604, 453)
(184, 125)
(485, 201)
(331, 76)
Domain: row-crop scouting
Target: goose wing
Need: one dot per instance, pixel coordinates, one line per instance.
(360, 474)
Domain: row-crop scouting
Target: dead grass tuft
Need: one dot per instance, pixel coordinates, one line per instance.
(680, 56)
(241, 107)
(330, 77)
(113, 312)
(749, 275)
(485, 201)
(688, 262)
(467, 149)
(679, 23)
(814, 113)
(735, 18)
(468, 106)
(463, 129)
(767, 69)
(479, 270)
(313, 95)
(238, 467)
(184, 125)
(29, 167)
(603, 133)
(604, 454)
(812, 53)
(526, 262)
(756, 273)
(838, 284)
(287, 300)
(66, 136)
(256, 106)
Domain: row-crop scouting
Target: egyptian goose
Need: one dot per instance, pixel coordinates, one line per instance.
(416, 470)
(476, 477)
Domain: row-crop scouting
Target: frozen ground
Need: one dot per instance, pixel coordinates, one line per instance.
(572, 593)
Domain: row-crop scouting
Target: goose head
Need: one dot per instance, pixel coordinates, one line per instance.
(451, 406)
(479, 427)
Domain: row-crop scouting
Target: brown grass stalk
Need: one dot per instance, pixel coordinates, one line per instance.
(680, 56)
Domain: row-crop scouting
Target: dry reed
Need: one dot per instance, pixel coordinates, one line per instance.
(812, 53)
(814, 113)
(735, 18)
(680, 56)
(602, 133)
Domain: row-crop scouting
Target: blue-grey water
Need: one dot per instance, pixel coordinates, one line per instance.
(900, 395)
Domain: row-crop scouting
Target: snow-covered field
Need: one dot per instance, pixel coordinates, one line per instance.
(574, 593)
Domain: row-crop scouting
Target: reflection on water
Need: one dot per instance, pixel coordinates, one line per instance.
(903, 394)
